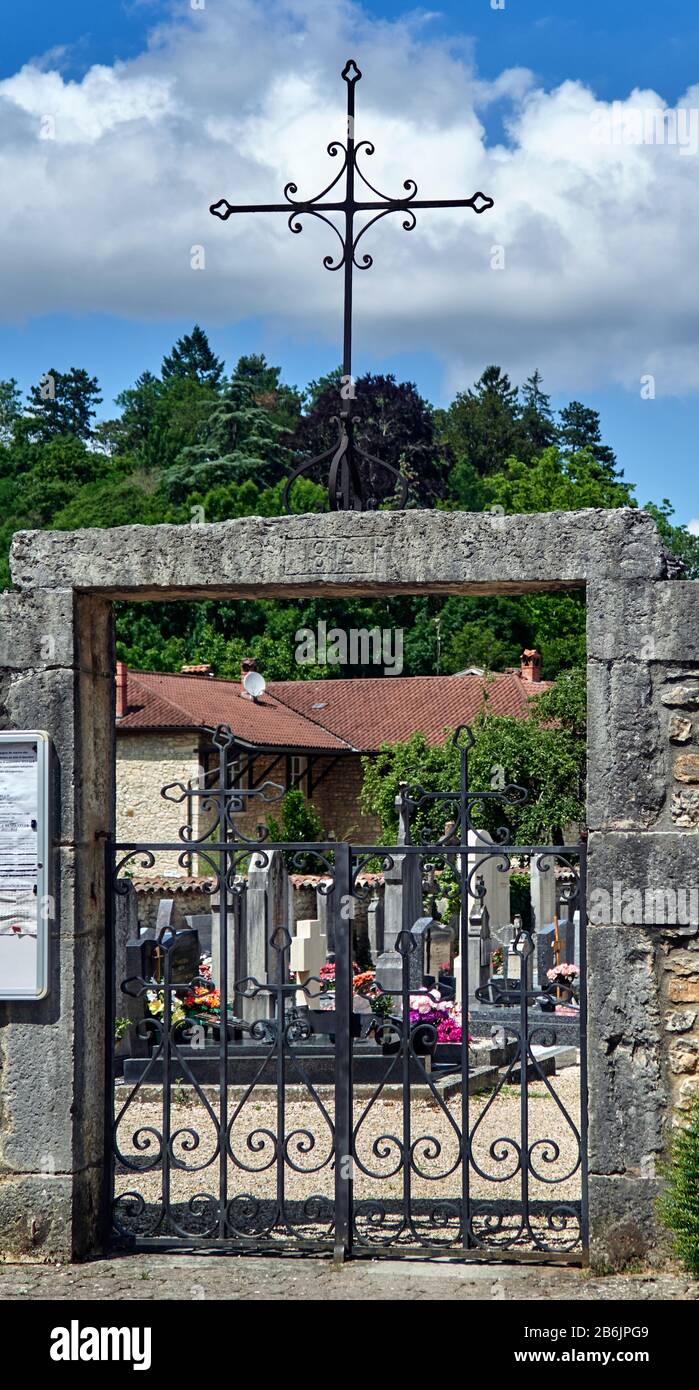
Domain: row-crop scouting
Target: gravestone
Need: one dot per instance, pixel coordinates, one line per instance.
(403, 887)
(326, 917)
(267, 914)
(542, 888)
(164, 916)
(493, 869)
(389, 975)
(202, 923)
(520, 967)
(375, 926)
(125, 932)
(480, 944)
(439, 955)
(307, 957)
(236, 943)
(416, 960)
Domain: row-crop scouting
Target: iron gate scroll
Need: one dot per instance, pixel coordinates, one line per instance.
(276, 1124)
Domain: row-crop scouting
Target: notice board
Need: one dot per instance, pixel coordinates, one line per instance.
(26, 910)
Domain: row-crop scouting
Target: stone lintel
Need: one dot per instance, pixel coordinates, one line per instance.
(345, 553)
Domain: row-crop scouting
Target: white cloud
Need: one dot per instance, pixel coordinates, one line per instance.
(236, 100)
(693, 526)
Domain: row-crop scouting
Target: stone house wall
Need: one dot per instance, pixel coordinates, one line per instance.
(145, 763)
(337, 800)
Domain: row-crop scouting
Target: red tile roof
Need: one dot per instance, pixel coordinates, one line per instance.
(389, 709)
(158, 700)
(328, 715)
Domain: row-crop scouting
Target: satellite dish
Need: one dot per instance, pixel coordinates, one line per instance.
(254, 685)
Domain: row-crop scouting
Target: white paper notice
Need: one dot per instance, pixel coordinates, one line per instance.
(19, 867)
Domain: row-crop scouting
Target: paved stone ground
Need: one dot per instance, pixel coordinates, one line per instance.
(234, 1278)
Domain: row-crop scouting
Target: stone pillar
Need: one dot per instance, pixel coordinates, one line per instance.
(643, 697)
(57, 674)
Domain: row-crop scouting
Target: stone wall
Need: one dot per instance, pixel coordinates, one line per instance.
(643, 683)
(337, 800)
(679, 994)
(57, 673)
(146, 762)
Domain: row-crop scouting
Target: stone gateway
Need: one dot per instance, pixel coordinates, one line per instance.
(57, 672)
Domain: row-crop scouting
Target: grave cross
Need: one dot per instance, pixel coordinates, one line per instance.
(346, 488)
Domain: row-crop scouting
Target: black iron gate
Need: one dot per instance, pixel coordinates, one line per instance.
(266, 1122)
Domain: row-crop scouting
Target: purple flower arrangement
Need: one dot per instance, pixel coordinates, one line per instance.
(443, 1014)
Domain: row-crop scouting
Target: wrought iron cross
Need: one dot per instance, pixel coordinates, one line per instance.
(345, 487)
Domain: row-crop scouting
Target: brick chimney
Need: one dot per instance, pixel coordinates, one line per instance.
(122, 692)
(530, 666)
(249, 663)
(204, 669)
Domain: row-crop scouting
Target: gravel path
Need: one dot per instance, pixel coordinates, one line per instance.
(435, 1181)
(199, 1278)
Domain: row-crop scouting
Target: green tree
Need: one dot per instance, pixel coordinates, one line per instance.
(579, 430)
(483, 425)
(139, 411)
(679, 541)
(557, 482)
(679, 1205)
(392, 422)
(62, 403)
(566, 702)
(192, 357)
(538, 427)
(240, 440)
(284, 402)
(10, 409)
(52, 473)
(547, 760)
(113, 501)
(299, 823)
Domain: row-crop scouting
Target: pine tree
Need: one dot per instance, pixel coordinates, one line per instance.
(579, 429)
(192, 357)
(240, 440)
(538, 425)
(483, 425)
(62, 403)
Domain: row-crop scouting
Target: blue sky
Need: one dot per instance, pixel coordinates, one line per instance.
(609, 49)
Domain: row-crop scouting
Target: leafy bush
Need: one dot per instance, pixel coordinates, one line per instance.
(547, 759)
(680, 1204)
(300, 822)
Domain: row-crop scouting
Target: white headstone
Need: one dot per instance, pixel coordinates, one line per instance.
(307, 957)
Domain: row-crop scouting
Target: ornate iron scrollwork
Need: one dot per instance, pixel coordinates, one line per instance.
(350, 487)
